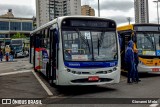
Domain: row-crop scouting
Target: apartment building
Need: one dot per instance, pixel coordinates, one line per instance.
(47, 10)
(141, 11)
(87, 10)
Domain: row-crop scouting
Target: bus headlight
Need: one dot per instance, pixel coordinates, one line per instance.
(68, 70)
(115, 68)
(110, 71)
(73, 72)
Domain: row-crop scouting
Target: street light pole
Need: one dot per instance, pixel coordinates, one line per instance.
(129, 20)
(98, 9)
(157, 10)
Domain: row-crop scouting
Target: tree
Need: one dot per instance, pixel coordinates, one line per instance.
(18, 35)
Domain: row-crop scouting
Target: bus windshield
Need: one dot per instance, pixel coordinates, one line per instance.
(17, 48)
(19, 42)
(89, 45)
(148, 43)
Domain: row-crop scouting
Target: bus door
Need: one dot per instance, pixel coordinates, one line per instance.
(37, 45)
(125, 38)
(53, 60)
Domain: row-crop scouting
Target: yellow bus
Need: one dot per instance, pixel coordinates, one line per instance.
(146, 39)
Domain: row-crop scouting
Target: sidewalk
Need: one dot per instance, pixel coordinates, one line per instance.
(4, 60)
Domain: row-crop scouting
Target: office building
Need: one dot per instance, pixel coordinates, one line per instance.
(10, 25)
(47, 10)
(141, 11)
(87, 10)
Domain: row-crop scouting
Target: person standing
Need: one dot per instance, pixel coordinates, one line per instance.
(136, 61)
(7, 56)
(1, 55)
(7, 51)
(11, 55)
(129, 61)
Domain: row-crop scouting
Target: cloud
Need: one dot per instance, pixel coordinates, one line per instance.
(117, 5)
(121, 19)
(18, 10)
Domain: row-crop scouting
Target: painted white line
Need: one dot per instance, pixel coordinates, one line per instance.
(153, 105)
(42, 84)
(16, 72)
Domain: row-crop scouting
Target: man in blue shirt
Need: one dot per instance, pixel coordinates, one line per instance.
(129, 61)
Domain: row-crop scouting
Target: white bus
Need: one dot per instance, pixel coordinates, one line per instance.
(77, 50)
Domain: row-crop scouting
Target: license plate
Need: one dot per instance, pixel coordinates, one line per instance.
(155, 69)
(93, 78)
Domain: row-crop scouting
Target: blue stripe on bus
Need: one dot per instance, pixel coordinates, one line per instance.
(90, 64)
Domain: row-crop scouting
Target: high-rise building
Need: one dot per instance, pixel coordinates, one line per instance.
(42, 12)
(141, 11)
(47, 10)
(87, 10)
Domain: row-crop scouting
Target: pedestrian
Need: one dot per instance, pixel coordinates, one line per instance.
(7, 51)
(7, 56)
(1, 55)
(136, 61)
(11, 55)
(129, 61)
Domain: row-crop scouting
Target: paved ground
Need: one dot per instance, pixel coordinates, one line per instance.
(23, 84)
(17, 65)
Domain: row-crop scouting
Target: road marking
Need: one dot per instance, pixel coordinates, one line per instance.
(16, 72)
(153, 105)
(42, 84)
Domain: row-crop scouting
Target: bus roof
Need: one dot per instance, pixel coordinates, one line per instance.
(63, 17)
(125, 27)
(131, 26)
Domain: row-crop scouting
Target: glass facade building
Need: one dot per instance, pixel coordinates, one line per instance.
(15, 26)
(4, 25)
(27, 26)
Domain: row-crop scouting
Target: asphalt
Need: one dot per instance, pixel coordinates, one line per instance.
(25, 85)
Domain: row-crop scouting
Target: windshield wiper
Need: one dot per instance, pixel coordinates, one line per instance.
(100, 41)
(85, 41)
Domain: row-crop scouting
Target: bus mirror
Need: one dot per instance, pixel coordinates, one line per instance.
(134, 39)
(134, 31)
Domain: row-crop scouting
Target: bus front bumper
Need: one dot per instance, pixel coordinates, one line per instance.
(148, 69)
(75, 79)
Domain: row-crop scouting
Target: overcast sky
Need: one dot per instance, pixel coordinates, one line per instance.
(118, 10)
